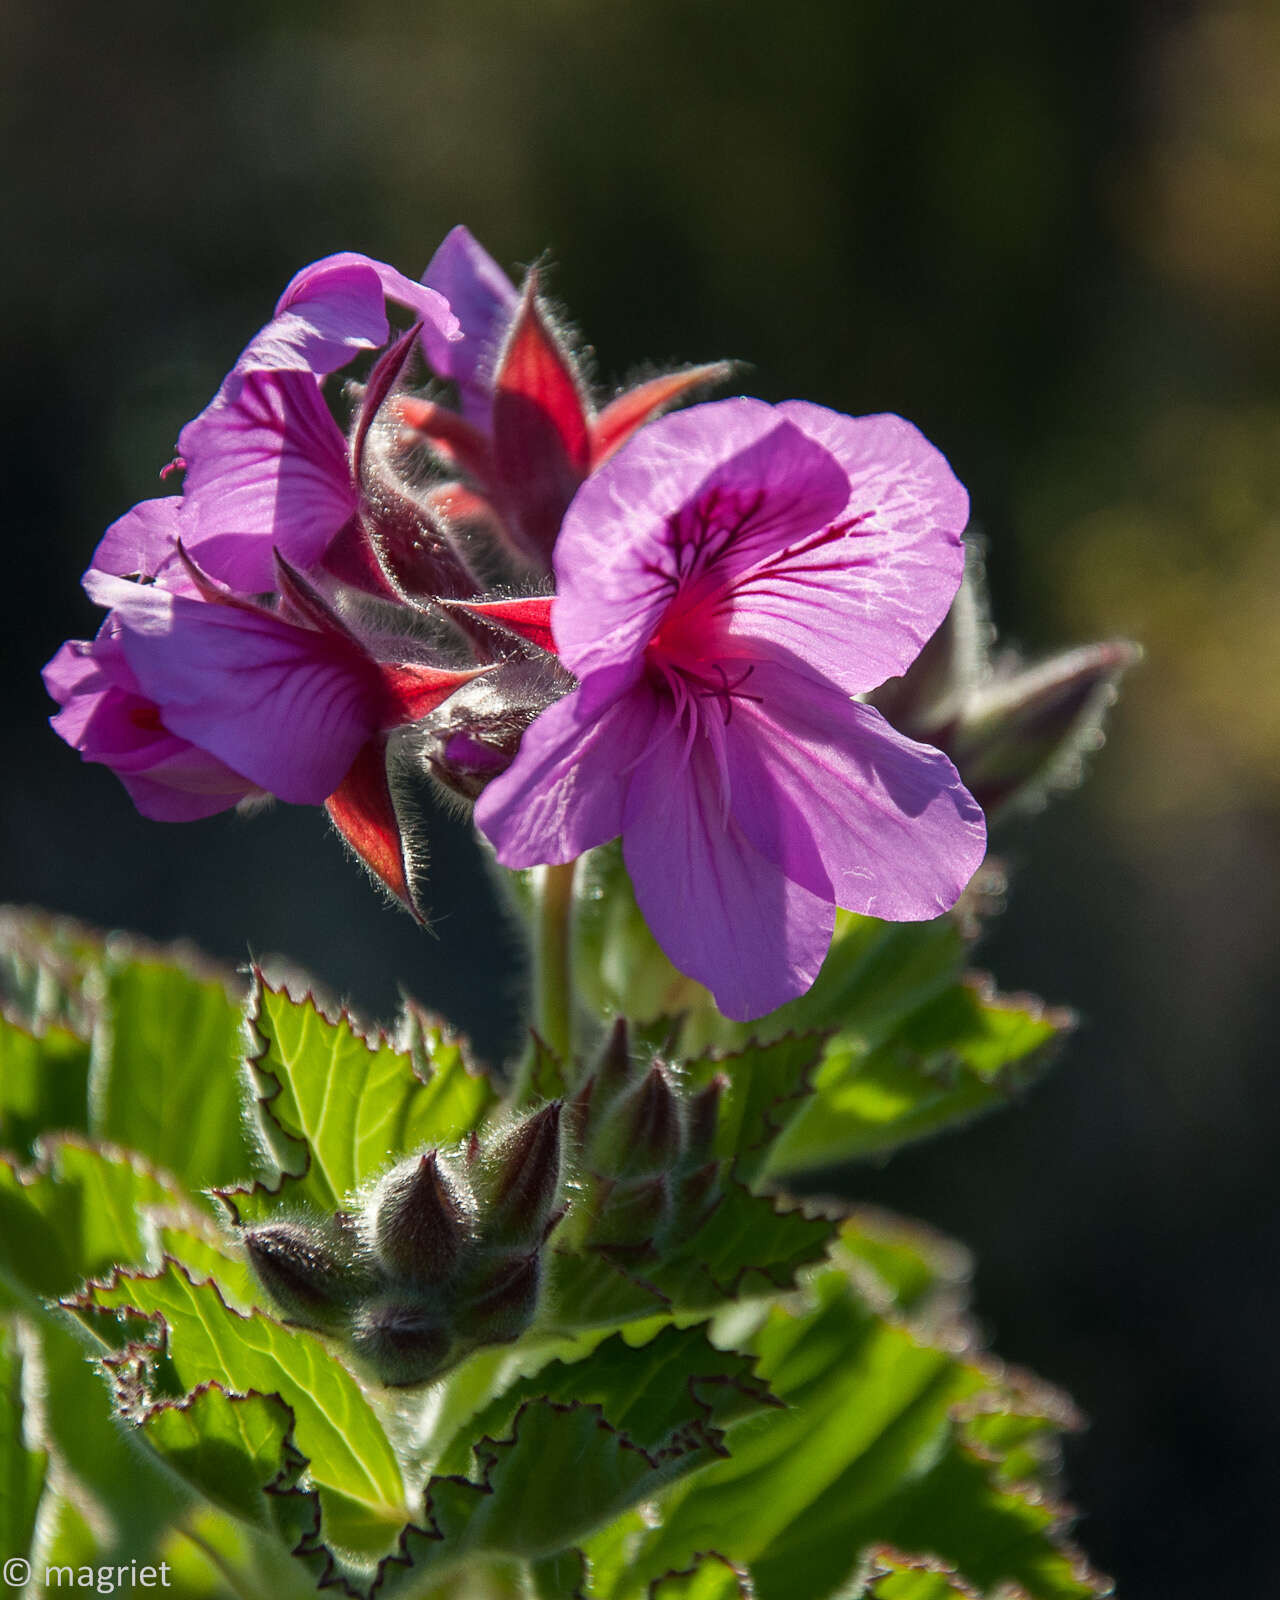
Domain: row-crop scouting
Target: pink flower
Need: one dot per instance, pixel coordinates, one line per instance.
(197, 698)
(725, 585)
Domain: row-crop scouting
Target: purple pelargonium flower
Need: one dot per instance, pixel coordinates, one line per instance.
(725, 585)
(198, 698)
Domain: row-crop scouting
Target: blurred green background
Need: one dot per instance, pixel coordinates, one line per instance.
(1047, 233)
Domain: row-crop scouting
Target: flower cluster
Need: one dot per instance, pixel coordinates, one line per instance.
(591, 620)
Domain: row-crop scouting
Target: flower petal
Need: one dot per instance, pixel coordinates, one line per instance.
(721, 912)
(266, 469)
(844, 804)
(688, 502)
(186, 787)
(143, 542)
(283, 705)
(859, 598)
(109, 721)
(484, 300)
(336, 307)
(564, 792)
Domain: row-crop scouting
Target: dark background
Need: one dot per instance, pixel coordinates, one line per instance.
(1049, 233)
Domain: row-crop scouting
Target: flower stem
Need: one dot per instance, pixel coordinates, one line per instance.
(553, 983)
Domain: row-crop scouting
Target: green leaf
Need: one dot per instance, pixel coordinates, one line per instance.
(674, 1382)
(872, 1449)
(963, 1051)
(49, 968)
(765, 1086)
(166, 1078)
(76, 1214)
(43, 1084)
(66, 1535)
(117, 1484)
(899, 1577)
(23, 1461)
(561, 1472)
(568, 1448)
(914, 1043)
(336, 1107)
(747, 1246)
(198, 1245)
(352, 1462)
(546, 1077)
(231, 1447)
(558, 1577)
(710, 1577)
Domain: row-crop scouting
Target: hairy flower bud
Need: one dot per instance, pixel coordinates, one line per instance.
(1026, 730)
(519, 1180)
(633, 1211)
(420, 1222)
(307, 1271)
(697, 1196)
(641, 1131)
(403, 1342)
(476, 735)
(501, 1303)
(703, 1119)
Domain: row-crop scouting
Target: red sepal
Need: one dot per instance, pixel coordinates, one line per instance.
(414, 692)
(541, 428)
(458, 440)
(351, 559)
(364, 814)
(529, 617)
(632, 409)
(454, 502)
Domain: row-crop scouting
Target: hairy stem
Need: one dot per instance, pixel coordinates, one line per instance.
(553, 982)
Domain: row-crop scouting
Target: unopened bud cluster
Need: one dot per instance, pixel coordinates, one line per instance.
(449, 1251)
(647, 1174)
(445, 1256)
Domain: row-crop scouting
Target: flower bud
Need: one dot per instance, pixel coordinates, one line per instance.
(640, 1132)
(519, 1180)
(475, 735)
(632, 1212)
(420, 1223)
(704, 1119)
(697, 1196)
(306, 1271)
(613, 1070)
(402, 1342)
(502, 1302)
(1026, 731)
